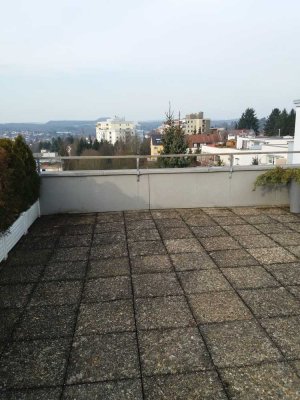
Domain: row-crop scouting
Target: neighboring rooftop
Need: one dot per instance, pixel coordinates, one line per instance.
(163, 304)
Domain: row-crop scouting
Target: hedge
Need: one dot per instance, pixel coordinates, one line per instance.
(19, 180)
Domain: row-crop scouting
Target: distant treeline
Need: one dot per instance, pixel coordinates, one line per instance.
(70, 146)
(277, 123)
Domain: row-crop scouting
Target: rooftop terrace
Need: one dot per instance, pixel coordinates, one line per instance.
(166, 304)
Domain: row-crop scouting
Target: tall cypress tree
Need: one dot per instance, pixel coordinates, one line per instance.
(280, 121)
(291, 122)
(249, 120)
(273, 122)
(284, 117)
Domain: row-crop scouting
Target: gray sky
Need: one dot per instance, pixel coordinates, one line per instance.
(82, 59)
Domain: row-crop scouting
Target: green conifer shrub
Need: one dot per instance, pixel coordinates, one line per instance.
(19, 180)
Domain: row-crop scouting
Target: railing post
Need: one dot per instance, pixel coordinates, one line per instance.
(231, 165)
(38, 164)
(138, 168)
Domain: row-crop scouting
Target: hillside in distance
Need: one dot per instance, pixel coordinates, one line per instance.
(53, 127)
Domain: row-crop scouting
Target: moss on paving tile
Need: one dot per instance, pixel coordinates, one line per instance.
(149, 285)
(192, 261)
(110, 227)
(173, 351)
(108, 317)
(239, 343)
(165, 214)
(170, 223)
(145, 248)
(175, 233)
(34, 394)
(140, 224)
(285, 333)
(75, 241)
(218, 211)
(232, 258)
(56, 293)
(257, 241)
(20, 273)
(137, 215)
(199, 220)
(294, 249)
(64, 270)
(163, 312)
(203, 281)
(284, 218)
(32, 257)
(175, 246)
(231, 220)
(14, 295)
(8, 319)
(270, 302)
(109, 217)
(70, 254)
(241, 230)
(247, 211)
(193, 386)
(117, 249)
(78, 230)
(219, 243)
(103, 357)
(268, 381)
(218, 307)
(46, 322)
(115, 390)
(295, 290)
(272, 228)
(208, 231)
(249, 277)
(287, 274)
(105, 289)
(138, 235)
(258, 219)
(108, 237)
(152, 263)
(34, 363)
(108, 267)
(272, 255)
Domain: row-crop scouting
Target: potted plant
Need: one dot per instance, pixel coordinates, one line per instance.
(283, 176)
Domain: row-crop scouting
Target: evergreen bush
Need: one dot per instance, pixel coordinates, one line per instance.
(19, 180)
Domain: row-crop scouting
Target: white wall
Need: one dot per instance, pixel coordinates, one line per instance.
(93, 191)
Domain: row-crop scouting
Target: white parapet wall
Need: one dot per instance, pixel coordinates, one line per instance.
(20, 227)
(100, 191)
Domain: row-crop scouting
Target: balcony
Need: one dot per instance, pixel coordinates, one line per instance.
(186, 303)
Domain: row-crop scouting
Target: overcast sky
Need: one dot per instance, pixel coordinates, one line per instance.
(83, 59)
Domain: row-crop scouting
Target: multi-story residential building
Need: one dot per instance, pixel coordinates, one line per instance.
(114, 129)
(195, 123)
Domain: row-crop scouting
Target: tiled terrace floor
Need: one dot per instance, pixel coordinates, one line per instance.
(171, 304)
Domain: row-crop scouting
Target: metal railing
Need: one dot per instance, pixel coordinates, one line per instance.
(210, 160)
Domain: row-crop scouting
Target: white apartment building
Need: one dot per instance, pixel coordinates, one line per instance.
(114, 129)
(195, 123)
